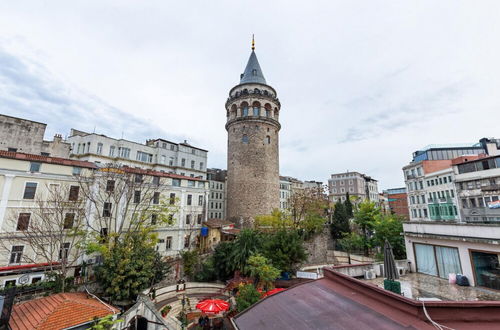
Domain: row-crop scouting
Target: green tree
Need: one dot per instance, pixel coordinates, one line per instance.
(365, 217)
(261, 269)
(351, 242)
(340, 221)
(348, 206)
(223, 263)
(285, 249)
(247, 296)
(130, 266)
(104, 323)
(246, 244)
(190, 261)
(389, 227)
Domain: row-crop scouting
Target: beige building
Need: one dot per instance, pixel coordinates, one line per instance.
(356, 184)
(252, 112)
(22, 135)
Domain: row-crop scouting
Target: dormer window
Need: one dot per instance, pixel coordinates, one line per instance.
(254, 72)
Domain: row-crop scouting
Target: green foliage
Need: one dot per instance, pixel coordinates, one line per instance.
(104, 323)
(285, 249)
(222, 261)
(246, 244)
(365, 217)
(262, 271)
(130, 266)
(340, 221)
(348, 206)
(247, 296)
(390, 227)
(56, 282)
(276, 220)
(351, 242)
(190, 260)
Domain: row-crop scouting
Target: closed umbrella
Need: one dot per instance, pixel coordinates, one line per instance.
(390, 270)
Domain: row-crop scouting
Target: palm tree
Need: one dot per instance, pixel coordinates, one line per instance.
(247, 243)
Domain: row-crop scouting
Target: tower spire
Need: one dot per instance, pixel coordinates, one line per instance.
(253, 42)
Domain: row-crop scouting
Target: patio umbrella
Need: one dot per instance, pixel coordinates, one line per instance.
(390, 270)
(212, 306)
(273, 291)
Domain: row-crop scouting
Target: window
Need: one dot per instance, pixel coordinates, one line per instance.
(103, 234)
(256, 111)
(189, 199)
(183, 162)
(268, 139)
(172, 147)
(77, 170)
(200, 200)
(106, 210)
(186, 241)
(191, 183)
(64, 251)
(244, 138)
(144, 157)
(156, 198)
(172, 198)
(137, 196)
(16, 254)
(138, 178)
(12, 149)
(245, 111)
(168, 242)
(112, 151)
(30, 190)
(35, 167)
(201, 166)
(176, 182)
(268, 113)
(188, 219)
(171, 161)
(23, 221)
(99, 148)
(69, 220)
(163, 159)
(124, 152)
(110, 186)
(192, 164)
(73, 193)
(156, 180)
(199, 219)
(154, 218)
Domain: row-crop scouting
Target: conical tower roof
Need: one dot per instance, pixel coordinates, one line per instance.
(253, 72)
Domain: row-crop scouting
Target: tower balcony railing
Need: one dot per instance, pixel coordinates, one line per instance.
(268, 96)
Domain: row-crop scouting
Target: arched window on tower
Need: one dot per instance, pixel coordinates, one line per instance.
(244, 111)
(268, 139)
(268, 110)
(256, 108)
(244, 139)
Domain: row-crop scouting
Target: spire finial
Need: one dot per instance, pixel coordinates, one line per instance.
(253, 42)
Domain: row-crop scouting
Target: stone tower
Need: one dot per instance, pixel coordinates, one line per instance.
(252, 111)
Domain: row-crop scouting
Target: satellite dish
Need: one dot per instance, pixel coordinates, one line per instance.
(24, 279)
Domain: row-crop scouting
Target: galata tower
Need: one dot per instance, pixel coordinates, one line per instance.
(252, 111)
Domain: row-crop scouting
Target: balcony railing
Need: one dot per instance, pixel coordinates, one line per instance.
(491, 187)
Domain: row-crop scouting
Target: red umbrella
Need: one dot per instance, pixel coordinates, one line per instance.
(273, 291)
(212, 306)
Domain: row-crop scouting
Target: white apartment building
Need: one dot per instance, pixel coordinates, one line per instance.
(464, 241)
(25, 181)
(158, 154)
(285, 192)
(217, 196)
(356, 184)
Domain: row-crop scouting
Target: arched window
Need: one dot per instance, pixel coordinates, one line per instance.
(256, 91)
(256, 111)
(268, 139)
(244, 111)
(244, 139)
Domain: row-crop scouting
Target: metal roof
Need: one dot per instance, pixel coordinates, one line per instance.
(253, 72)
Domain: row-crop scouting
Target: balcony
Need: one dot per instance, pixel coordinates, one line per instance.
(474, 232)
(479, 213)
(491, 187)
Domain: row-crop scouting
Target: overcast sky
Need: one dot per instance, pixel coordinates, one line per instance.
(362, 84)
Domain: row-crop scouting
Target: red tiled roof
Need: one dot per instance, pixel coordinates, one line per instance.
(58, 311)
(217, 223)
(45, 159)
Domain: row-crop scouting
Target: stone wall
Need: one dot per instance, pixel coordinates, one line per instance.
(317, 248)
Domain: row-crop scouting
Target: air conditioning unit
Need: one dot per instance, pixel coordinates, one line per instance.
(370, 275)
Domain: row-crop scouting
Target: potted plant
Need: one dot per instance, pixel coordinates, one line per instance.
(165, 310)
